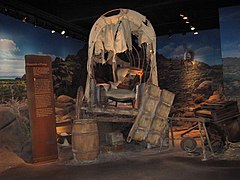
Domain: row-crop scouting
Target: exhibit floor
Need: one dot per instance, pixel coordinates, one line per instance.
(172, 163)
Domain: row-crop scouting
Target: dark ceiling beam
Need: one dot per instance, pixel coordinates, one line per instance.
(80, 15)
(94, 9)
(19, 7)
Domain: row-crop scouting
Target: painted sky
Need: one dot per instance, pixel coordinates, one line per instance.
(230, 31)
(18, 39)
(206, 46)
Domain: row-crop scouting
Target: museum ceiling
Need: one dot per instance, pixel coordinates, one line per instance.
(77, 17)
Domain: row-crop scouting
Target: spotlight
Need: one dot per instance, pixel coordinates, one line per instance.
(24, 19)
(195, 33)
(181, 15)
(53, 31)
(63, 32)
(192, 28)
(185, 17)
(187, 22)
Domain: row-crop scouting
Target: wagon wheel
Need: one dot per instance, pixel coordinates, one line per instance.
(217, 137)
(188, 144)
(79, 102)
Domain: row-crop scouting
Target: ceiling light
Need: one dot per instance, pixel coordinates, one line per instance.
(192, 28)
(187, 22)
(185, 17)
(63, 32)
(53, 31)
(181, 15)
(195, 33)
(24, 19)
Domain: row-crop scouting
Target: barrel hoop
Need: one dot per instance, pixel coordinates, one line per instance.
(85, 133)
(85, 122)
(83, 152)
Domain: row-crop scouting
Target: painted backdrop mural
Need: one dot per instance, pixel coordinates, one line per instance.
(191, 66)
(18, 39)
(230, 42)
(205, 45)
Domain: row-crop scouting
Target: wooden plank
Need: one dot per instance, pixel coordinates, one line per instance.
(199, 119)
(216, 106)
(111, 110)
(226, 119)
(114, 119)
(226, 115)
(204, 112)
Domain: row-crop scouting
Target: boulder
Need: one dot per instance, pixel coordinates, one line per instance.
(196, 83)
(26, 153)
(7, 115)
(23, 109)
(67, 117)
(9, 160)
(204, 85)
(12, 137)
(199, 99)
(60, 111)
(65, 99)
(214, 98)
(63, 105)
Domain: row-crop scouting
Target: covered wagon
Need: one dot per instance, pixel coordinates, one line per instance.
(121, 59)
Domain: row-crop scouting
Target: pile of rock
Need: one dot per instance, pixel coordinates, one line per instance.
(65, 114)
(65, 108)
(192, 84)
(14, 130)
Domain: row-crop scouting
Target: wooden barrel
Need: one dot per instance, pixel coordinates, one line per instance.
(85, 139)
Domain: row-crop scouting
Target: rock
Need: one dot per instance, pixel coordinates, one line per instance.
(24, 110)
(12, 137)
(196, 83)
(9, 160)
(26, 153)
(64, 99)
(199, 99)
(60, 111)
(188, 114)
(214, 98)
(72, 114)
(204, 85)
(67, 117)
(63, 105)
(7, 115)
(215, 93)
(58, 118)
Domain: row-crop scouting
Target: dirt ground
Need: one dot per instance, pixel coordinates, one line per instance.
(9, 160)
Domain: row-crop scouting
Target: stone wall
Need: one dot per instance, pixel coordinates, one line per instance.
(192, 83)
(231, 76)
